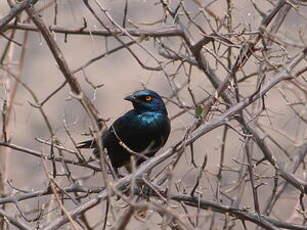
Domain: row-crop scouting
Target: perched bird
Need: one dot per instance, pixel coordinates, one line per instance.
(141, 132)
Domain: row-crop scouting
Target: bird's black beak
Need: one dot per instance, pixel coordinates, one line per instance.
(130, 98)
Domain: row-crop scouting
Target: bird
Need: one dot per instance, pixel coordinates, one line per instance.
(141, 131)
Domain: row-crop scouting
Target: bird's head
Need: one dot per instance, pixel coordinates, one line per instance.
(147, 100)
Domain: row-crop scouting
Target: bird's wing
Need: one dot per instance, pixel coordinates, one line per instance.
(138, 134)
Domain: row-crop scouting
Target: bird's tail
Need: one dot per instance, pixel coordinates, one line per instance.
(86, 144)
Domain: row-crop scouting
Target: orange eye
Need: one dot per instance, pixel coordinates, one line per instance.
(148, 98)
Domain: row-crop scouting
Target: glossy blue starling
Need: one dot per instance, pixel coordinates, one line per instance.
(141, 132)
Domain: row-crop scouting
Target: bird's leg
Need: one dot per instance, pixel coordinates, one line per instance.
(128, 167)
(131, 164)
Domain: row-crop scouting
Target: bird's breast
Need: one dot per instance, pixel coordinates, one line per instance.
(151, 119)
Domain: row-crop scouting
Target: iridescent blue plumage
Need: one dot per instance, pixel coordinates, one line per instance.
(143, 130)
